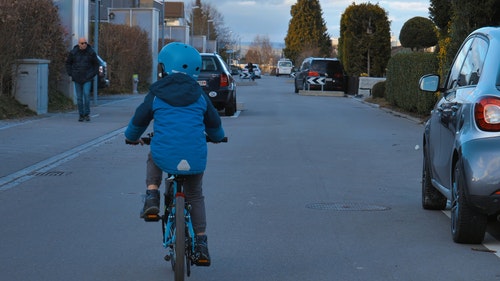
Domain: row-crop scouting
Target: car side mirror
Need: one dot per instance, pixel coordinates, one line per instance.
(429, 83)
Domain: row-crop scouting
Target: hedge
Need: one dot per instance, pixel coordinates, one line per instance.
(403, 75)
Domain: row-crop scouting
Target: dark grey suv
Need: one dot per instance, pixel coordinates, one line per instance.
(321, 74)
(461, 139)
(216, 80)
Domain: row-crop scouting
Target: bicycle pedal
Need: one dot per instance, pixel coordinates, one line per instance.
(202, 262)
(153, 217)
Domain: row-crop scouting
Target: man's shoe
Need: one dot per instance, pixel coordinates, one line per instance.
(80, 119)
(151, 206)
(87, 118)
(201, 256)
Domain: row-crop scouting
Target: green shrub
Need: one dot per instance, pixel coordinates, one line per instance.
(31, 31)
(403, 75)
(378, 90)
(126, 51)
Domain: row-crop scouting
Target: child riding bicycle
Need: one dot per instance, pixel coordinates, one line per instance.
(183, 117)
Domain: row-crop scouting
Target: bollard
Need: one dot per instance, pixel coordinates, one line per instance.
(135, 82)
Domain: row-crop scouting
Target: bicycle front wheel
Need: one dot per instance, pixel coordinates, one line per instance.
(180, 238)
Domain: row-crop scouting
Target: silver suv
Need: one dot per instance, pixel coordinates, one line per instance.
(461, 139)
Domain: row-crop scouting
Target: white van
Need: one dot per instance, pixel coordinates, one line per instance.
(284, 67)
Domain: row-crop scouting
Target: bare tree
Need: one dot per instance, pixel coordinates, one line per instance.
(260, 51)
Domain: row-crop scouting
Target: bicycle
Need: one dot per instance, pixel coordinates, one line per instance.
(180, 241)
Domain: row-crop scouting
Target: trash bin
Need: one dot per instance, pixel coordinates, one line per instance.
(31, 88)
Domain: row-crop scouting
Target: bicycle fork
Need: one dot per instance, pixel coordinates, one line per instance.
(169, 232)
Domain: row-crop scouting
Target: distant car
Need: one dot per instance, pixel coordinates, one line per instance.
(256, 71)
(217, 82)
(461, 139)
(235, 70)
(314, 71)
(284, 67)
(103, 81)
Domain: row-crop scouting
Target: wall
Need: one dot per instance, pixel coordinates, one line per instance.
(366, 84)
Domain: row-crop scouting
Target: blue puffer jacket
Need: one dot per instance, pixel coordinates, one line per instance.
(182, 115)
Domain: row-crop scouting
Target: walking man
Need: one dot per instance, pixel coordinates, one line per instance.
(82, 66)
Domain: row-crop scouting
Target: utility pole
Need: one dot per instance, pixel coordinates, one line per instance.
(96, 43)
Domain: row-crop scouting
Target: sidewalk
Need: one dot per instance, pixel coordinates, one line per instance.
(37, 142)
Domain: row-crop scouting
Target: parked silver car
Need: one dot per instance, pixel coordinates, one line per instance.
(461, 141)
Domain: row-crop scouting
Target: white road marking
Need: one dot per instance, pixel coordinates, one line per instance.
(25, 174)
(489, 242)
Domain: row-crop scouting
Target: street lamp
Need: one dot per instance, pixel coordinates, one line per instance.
(369, 32)
(192, 22)
(208, 33)
(97, 17)
(163, 24)
(208, 22)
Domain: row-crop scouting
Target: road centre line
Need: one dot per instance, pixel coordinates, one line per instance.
(12, 180)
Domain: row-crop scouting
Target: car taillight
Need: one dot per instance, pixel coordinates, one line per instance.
(338, 75)
(224, 80)
(312, 73)
(487, 114)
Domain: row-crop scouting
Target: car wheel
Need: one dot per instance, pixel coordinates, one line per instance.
(230, 107)
(432, 199)
(467, 225)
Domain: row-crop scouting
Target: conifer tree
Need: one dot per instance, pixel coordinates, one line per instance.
(439, 13)
(365, 40)
(468, 15)
(307, 33)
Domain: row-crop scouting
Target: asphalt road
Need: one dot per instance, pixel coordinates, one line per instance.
(308, 188)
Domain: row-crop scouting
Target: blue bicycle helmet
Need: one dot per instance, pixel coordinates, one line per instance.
(178, 57)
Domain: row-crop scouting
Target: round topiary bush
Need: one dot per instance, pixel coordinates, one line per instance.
(378, 90)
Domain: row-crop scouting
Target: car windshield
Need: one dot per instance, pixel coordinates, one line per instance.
(286, 64)
(326, 66)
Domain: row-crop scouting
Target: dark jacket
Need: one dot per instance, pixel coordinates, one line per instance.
(182, 115)
(82, 65)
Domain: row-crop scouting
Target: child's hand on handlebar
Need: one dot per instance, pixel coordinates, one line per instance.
(139, 141)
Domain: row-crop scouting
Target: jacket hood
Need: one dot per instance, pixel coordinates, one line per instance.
(177, 89)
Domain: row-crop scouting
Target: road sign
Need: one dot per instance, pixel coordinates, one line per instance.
(245, 75)
(315, 80)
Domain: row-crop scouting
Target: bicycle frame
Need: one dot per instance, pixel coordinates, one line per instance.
(171, 220)
(169, 225)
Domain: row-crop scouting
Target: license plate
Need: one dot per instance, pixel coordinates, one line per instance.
(202, 83)
(329, 79)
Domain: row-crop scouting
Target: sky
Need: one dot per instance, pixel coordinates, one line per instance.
(249, 18)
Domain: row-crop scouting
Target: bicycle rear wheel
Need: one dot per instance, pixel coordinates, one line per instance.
(180, 238)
